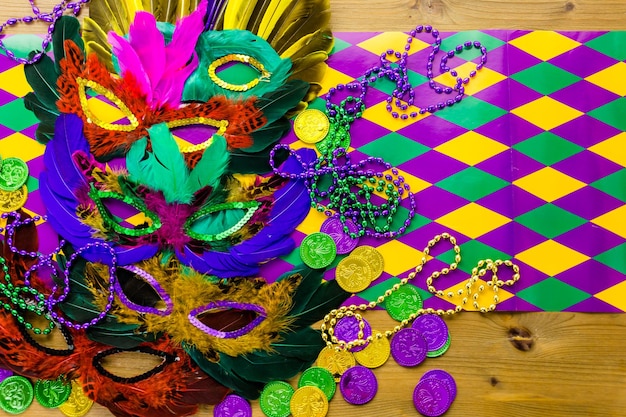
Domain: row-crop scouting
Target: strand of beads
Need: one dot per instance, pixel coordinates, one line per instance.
(49, 17)
(469, 293)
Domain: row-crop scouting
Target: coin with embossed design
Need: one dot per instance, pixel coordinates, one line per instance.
(308, 401)
(318, 250)
(52, 393)
(311, 126)
(336, 361)
(13, 174)
(275, 398)
(353, 274)
(371, 255)
(13, 200)
(431, 397)
(334, 227)
(16, 394)
(403, 302)
(358, 385)
(408, 347)
(78, 404)
(375, 353)
(321, 378)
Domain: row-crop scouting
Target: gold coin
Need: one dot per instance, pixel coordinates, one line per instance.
(78, 404)
(311, 126)
(309, 401)
(336, 361)
(13, 200)
(372, 257)
(353, 274)
(375, 353)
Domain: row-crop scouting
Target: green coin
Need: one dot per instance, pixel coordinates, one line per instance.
(16, 394)
(320, 378)
(276, 398)
(13, 174)
(318, 250)
(52, 393)
(441, 350)
(402, 302)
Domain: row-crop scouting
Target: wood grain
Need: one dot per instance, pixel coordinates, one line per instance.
(526, 364)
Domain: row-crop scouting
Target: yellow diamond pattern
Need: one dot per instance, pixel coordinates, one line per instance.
(614, 295)
(614, 220)
(611, 78)
(549, 184)
(485, 78)
(20, 146)
(473, 220)
(551, 257)
(613, 149)
(471, 148)
(332, 77)
(378, 114)
(544, 45)
(14, 81)
(485, 298)
(404, 257)
(546, 112)
(380, 43)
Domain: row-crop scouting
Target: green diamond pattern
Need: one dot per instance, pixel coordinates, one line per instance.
(394, 148)
(472, 113)
(614, 184)
(472, 183)
(611, 44)
(550, 220)
(614, 258)
(387, 86)
(612, 113)
(16, 117)
(545, 78)
(32, 183)
(548, 148)
(339, 45)
(472, 251)
(553, 295)
(450, 42)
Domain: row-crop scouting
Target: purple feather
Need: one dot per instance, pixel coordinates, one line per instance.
(291, 206)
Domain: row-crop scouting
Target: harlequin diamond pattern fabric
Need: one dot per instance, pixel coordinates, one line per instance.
(530, 166)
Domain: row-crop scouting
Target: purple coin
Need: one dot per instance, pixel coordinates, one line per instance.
(334, 228)
(408, 347)
(4, 374)
(431, 397)
(434, 330)
(233, 406)
(347, 330)
(358, 385)
(444, 377)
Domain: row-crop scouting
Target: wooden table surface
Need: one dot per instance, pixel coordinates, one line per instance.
(525, 364)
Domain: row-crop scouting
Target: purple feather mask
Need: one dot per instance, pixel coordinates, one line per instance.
(219, 224)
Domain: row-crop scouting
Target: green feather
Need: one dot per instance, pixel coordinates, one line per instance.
(266, 137)
(216, 44)
(66, 28)
(163, 169)
(42, 77)
(47, 117)
(209, 170)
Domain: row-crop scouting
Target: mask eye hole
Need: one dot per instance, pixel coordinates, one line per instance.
(238, 72)
(134, 369)
(218, 222)
(140, 291)
(101, 118)
(234, 319)
(109, 202)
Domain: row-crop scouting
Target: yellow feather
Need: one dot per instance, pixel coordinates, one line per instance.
(320, 40)
(303, 18)
(238, 13)
(133, 6)
(104, 54)
(96, 42)
(271, 16)
(315, 72)
(111, 15)
(182, 9)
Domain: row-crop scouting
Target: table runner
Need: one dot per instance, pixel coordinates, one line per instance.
(530, 166)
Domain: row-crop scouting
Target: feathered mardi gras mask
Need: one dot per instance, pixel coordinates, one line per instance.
(165, 201)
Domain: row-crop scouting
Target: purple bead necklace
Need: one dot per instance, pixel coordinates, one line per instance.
(49, 17)
(353, 185)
